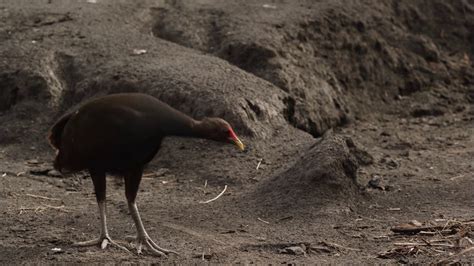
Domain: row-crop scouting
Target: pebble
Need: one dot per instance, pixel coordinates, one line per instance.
(294, 250)
(54, 173)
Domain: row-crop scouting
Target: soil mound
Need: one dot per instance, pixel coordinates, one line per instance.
(326, 172)
(335, 59)
(63, 66)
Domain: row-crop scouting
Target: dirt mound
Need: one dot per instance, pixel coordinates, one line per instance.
(20, 86)
(313, 104)
(326, 172)
(75, 65)
(335, 59)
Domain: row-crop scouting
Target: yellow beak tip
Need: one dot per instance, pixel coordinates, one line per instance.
(240, 145)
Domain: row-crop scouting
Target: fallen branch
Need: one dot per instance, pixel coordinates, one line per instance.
(411, 229)
(218, 196)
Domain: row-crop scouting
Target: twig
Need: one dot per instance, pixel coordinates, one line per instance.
(467, 250)
(263, 221)
(427, 233)
(149, 175)
(43, 208)
(258, 165)
(444, 227)
(218, 196)
(404, 229)
(55, 207)
(455, 256)
(424, 244)
(41, 197)
(456, 177)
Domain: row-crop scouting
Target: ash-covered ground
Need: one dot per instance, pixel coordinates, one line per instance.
(357, 115)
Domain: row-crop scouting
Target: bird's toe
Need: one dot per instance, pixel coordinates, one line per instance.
(141, 243)
(102, 241)
(87, 243)
(162, 250)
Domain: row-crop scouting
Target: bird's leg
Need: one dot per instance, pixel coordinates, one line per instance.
(104, 238)
(142, 237)
(132, 182)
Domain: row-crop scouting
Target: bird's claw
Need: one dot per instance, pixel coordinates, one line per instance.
(151, 246)
(102, 241)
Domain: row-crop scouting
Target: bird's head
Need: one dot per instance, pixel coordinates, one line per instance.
(219, 130)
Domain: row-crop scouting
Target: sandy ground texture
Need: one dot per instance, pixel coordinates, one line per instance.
(357, 115)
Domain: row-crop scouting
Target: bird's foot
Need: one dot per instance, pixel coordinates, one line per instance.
(139, 241)
(103, 241)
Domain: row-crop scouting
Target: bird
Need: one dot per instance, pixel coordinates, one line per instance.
(119, 134)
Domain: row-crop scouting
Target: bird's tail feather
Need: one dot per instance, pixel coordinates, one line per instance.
(56, 131)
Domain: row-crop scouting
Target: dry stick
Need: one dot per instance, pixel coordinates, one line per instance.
(456, 177)
(258, 165)
(463, 252)
(54, 207)
(263, 221)
(467, 250)
(149, 174)
(446, 225)
(43, 208)
(218, 196)
(402, 229)
(424, 244)
(41, 197)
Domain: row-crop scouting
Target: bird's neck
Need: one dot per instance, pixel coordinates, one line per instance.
(183, 126)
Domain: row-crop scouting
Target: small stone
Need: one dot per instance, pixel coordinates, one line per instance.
(295, 250)
(424, 111)
(405, 153)
(39, 170)
(269, 6)
(57, 250)
(161, 172)
(375, 182)
(392, 164)
(54, 173)
(139, 51)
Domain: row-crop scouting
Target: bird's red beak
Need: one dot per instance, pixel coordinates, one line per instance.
(233, 137)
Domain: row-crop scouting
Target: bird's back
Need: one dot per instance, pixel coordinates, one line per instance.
(113, 133)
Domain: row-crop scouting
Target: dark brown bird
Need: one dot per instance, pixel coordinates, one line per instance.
(119, 134)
